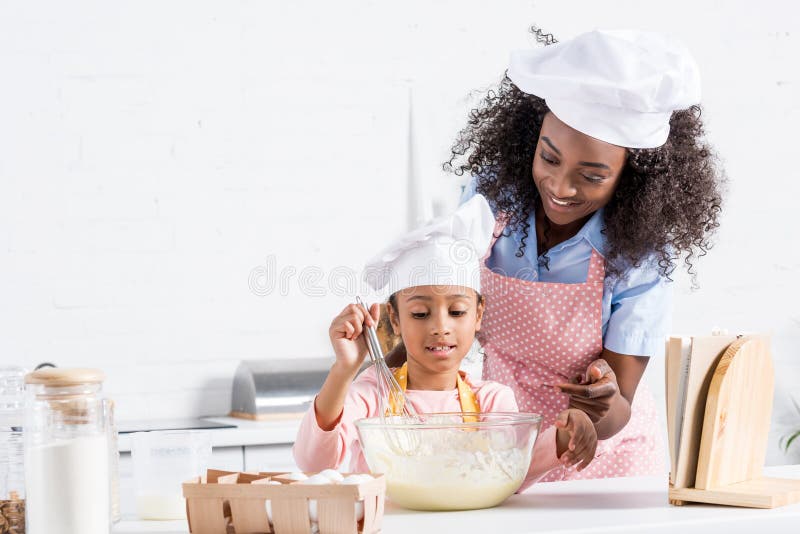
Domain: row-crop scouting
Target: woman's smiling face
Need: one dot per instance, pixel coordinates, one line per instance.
(574, 173)
(437, 324)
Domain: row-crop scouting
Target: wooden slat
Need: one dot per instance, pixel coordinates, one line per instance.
(232, 478)
(290, 516)
(206, 516)
(212, 475)
(337, 516)
(373, 513)
(249, 516)
(259, 491)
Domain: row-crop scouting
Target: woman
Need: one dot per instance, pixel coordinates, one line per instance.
(590, 153)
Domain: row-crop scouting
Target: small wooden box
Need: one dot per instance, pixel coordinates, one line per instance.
(228, 502)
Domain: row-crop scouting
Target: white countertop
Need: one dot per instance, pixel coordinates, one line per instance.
(246, 432)
(637, 504)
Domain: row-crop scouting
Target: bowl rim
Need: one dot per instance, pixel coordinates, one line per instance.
(511, 419)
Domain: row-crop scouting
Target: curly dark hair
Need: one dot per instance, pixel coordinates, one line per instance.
(666, 205)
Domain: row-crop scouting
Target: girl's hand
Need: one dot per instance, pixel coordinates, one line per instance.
(576, 438)
(597, 393)
(347, 335)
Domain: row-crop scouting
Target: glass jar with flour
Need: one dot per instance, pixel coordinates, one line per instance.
(66, 453)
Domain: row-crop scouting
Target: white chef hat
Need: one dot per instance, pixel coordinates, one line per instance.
(617, 86)
(446, 251)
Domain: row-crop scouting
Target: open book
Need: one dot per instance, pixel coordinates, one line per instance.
(690, 364)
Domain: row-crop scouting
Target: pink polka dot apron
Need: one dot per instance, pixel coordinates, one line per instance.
(535, 334)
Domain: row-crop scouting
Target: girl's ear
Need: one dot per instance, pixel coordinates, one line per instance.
(479, 315)
(393, 320)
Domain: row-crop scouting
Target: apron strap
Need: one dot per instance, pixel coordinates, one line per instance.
(466, 397)
(499, 226)
(597, 268)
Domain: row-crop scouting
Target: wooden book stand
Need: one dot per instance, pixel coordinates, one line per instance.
(734, 438)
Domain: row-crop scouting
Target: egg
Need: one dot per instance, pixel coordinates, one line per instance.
(315, 480)
(355, 480)
(332, 474)
(295, 476)
(269, 503)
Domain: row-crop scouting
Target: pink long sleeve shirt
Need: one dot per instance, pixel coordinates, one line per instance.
(316, 449)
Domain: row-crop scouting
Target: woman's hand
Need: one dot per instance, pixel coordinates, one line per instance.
(595, 393)
(346, 335)
(607, 392)
(576, 438)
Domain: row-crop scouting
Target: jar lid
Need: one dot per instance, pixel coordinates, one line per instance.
(65, 377)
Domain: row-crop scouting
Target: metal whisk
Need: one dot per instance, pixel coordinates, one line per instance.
(390, 394)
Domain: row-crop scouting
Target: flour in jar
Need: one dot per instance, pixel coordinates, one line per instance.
(67, 486)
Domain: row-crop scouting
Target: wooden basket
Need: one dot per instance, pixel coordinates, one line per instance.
(229, 502)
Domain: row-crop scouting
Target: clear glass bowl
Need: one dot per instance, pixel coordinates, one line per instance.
(451, 461)
(162, 461)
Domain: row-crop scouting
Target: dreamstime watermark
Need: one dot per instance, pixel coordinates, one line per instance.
(457, 264)
(311, 280)
(344, 281)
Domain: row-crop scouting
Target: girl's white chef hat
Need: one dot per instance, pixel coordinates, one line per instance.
(617, 86)
(446, 251)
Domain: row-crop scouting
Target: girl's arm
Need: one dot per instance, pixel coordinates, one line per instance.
(350, 348)
(320, 444)
(329, 403)
(317, 448)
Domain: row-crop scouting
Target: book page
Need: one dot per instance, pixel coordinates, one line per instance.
(705, 353)
(678, 353)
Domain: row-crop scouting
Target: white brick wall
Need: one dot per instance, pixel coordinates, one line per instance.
(153, 154)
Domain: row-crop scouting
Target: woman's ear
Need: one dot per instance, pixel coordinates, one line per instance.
(479, 314)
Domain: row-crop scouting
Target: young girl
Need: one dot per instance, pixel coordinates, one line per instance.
(436, 306)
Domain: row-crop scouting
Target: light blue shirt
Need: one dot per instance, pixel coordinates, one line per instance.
(637, 308)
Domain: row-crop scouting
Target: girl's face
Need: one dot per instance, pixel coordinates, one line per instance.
(437, 324)
(575, 174)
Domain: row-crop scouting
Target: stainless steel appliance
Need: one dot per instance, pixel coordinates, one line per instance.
(277, 389)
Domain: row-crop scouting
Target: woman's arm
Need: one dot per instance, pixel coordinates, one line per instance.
(640, 317)
(608, 391)
(628, 370)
